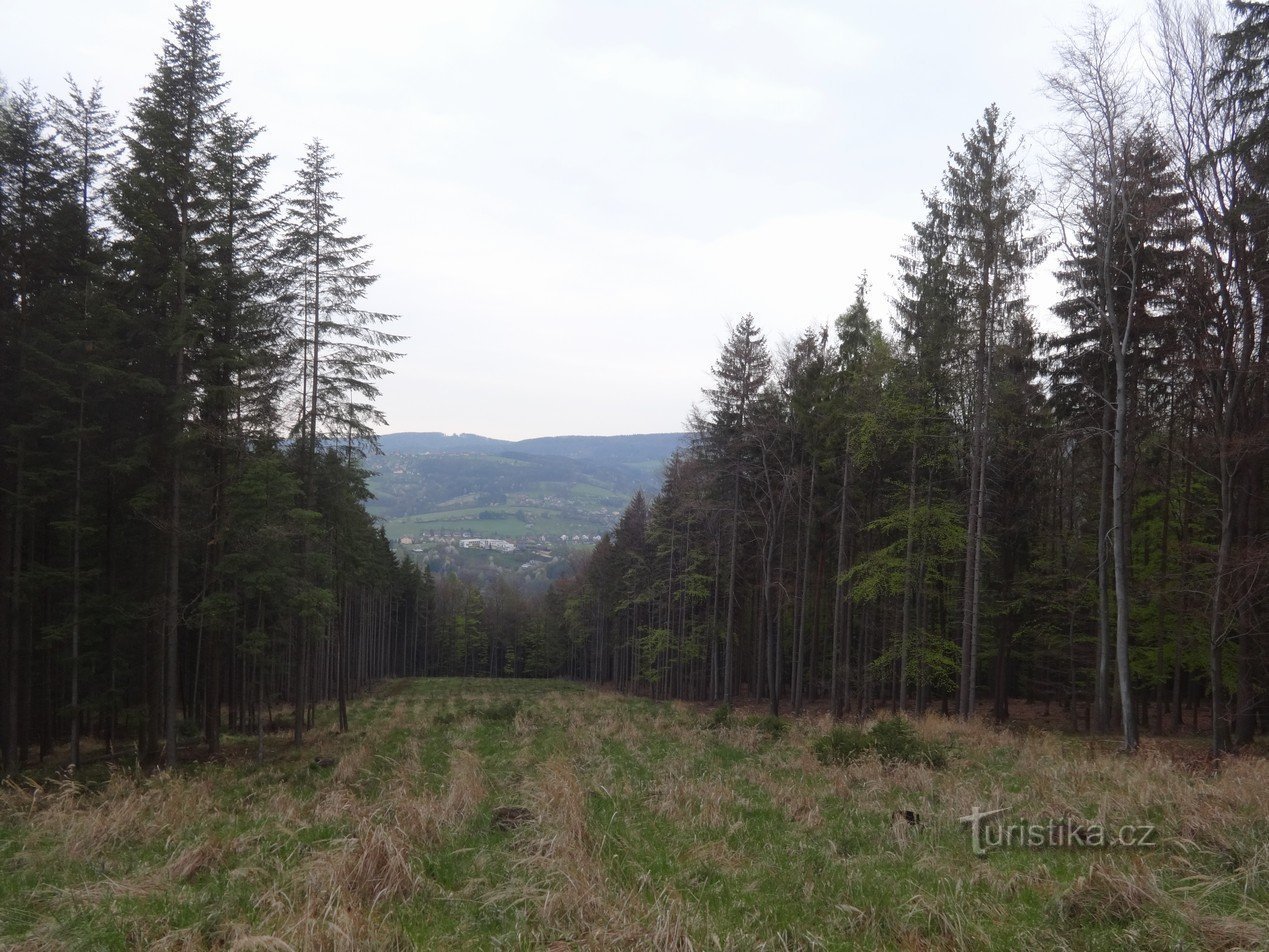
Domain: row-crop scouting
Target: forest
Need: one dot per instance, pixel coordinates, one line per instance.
(930, 505)
(952, 509)
(187, 376)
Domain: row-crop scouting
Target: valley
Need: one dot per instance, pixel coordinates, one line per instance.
(533, 502)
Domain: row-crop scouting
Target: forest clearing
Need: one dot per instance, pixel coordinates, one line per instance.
(543, 814)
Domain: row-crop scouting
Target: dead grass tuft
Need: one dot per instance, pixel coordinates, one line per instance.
(1226, 934)
(561, 803)
(260, 943)
(956, 925)
(1110, 895)
(125, 810)
(523, 725)
(466, 789)
(333, 902)
(372, 866)
(351, 764)
(199, 858)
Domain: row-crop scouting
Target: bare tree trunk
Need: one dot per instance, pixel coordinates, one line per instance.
(1101, 684)
(729, 633)
(1119, 538)
(837, 679)
(974, 527)
(798, 662)
(905, 632)
(1216, 622)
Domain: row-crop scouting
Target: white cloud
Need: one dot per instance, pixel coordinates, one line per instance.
(824, 37)
(680, 83)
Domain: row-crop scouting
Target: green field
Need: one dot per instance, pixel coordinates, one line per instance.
(527, 815)
(546, 522)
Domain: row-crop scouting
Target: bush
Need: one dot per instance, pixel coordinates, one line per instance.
(841, 746)
(771, 725)
(188, 728)
(895, 741)
(502, 712)
(892, 740)
(720, 717)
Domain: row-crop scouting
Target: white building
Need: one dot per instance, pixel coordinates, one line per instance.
(497, 545)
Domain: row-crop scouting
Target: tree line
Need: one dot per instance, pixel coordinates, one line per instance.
(960, 509)
(187, 384)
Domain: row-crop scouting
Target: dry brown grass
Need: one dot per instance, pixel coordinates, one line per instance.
(1109, 894)
(351, 764)
(344, 851)
(562, 888)
(332, 901)
(89, 824)
(465, 790)
(1130, 895)
(701, 801)
(197, 859)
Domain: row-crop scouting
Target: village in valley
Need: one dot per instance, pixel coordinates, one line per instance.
(482, 508)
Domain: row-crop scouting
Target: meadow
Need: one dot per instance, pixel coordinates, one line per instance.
(476, 814)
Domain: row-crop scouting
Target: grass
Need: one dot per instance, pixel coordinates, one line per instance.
(479, 814)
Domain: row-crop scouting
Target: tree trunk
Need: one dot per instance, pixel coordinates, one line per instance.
(1119, 538)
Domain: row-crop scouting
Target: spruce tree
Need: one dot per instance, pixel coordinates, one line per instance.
(722, 429)
(341, 348)
(993, 249)
(162, 205)
(38, 248)
(87, 132)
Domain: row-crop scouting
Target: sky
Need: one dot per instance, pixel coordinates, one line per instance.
(570, 201)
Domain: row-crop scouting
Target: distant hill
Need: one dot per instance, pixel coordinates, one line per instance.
(635, 448)
(545, 495)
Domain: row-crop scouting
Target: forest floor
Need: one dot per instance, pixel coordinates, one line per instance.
(521, 814)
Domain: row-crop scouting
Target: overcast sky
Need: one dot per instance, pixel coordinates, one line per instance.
(569, 201)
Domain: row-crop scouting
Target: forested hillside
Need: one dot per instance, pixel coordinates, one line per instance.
(187, 376)
(423, 473)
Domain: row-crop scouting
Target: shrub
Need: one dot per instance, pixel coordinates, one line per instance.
(503, 712)
(720, 717)
(841, 746)
(893, 740)
(188, 728)
(771, 725)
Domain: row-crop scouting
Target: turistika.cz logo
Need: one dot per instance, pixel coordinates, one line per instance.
(986, 834)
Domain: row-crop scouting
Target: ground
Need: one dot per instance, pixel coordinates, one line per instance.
(521, 814)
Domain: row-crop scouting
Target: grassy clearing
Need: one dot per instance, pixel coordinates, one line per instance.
(477, 814)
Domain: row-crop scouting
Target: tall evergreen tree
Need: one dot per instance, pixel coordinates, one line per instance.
(739, 374)
(38, 248)
(87, 131)
(341, 348)
(988, 202)
(163, 209)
